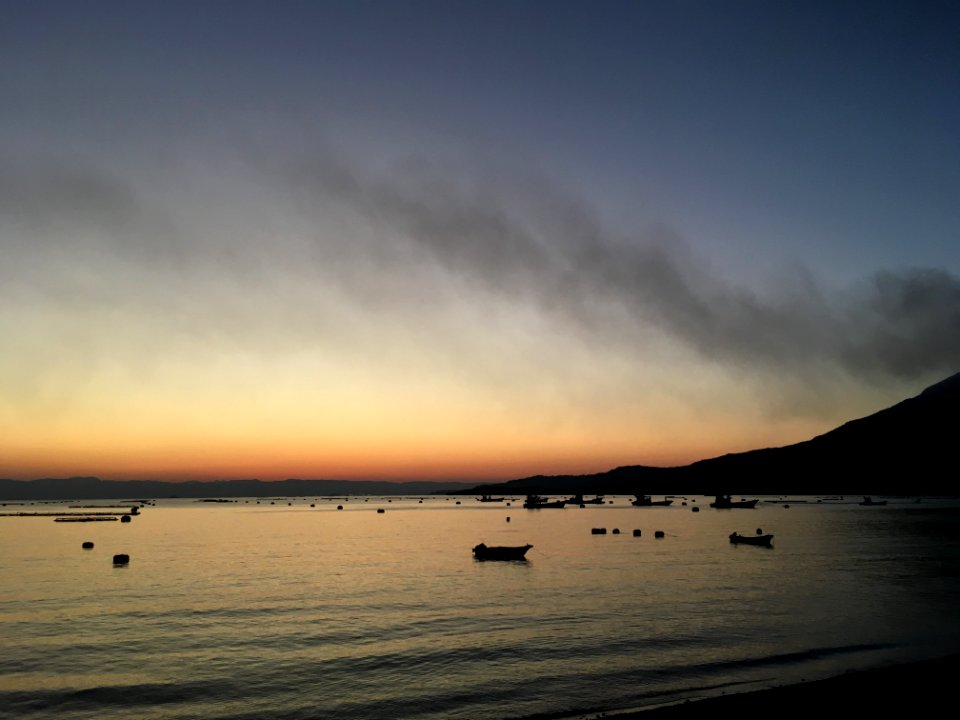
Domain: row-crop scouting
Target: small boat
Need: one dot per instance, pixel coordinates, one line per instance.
(648, 501)
(500, 552)
(488, 498)
(535, 502)
(867, 500)
(762, 540)
(726, 502)
(578, 500)
(85, 519)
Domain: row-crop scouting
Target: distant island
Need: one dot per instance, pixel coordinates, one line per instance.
(93, 488)
(907, 449)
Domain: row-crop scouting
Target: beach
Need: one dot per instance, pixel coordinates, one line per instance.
(907, 688)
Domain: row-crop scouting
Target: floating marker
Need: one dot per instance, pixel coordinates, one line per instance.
(121, 559)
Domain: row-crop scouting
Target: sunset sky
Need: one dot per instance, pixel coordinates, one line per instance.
(467, 240)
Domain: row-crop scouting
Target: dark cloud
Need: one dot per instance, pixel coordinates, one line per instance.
(42, 198)
(241, 259)
(531, 243)
(904, 324)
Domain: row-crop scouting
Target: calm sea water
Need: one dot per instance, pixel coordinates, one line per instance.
(247, 610)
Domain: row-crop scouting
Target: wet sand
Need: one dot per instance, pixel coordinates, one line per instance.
(904, 690)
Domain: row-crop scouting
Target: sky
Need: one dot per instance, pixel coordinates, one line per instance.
(467, 240)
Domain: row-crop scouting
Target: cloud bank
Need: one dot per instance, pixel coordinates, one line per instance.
(529, 242)
(276, 256)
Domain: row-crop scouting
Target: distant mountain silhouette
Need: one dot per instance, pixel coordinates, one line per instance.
(908, 449)
(92, 488)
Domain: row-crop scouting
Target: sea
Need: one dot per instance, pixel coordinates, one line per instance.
(325, 607)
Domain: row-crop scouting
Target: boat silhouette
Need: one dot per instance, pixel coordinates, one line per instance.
(500, 552)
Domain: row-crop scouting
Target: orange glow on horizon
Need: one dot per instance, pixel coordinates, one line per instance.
(216, 459)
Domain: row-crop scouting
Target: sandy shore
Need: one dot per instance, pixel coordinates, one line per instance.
(904, 690)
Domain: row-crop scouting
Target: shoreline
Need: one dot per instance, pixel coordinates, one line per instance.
(906, 688)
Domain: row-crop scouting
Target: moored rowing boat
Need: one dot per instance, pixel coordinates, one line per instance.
(500, 552)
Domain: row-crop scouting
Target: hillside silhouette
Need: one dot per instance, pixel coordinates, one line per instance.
(907, 449)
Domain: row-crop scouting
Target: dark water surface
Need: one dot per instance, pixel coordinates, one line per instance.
(247, 610)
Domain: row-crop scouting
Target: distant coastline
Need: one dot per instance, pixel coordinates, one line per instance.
(93, 488)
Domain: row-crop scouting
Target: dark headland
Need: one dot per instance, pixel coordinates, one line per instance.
(901, 450)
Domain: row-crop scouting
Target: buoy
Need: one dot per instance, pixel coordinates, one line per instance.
(636, 533)
(125, 518)
(312, 505)
(759, 531)
(598, 531)
(658, 534)
(582, 505)
(684, 504)
(380, 511)
(787, 506)
(458, 502)
(508, 518)
(695, 509)
(616, 531)
(121, 559)
(88, 545)
(339, 507)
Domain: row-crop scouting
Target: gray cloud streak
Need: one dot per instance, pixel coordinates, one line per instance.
(499, 237)
(532, 243)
